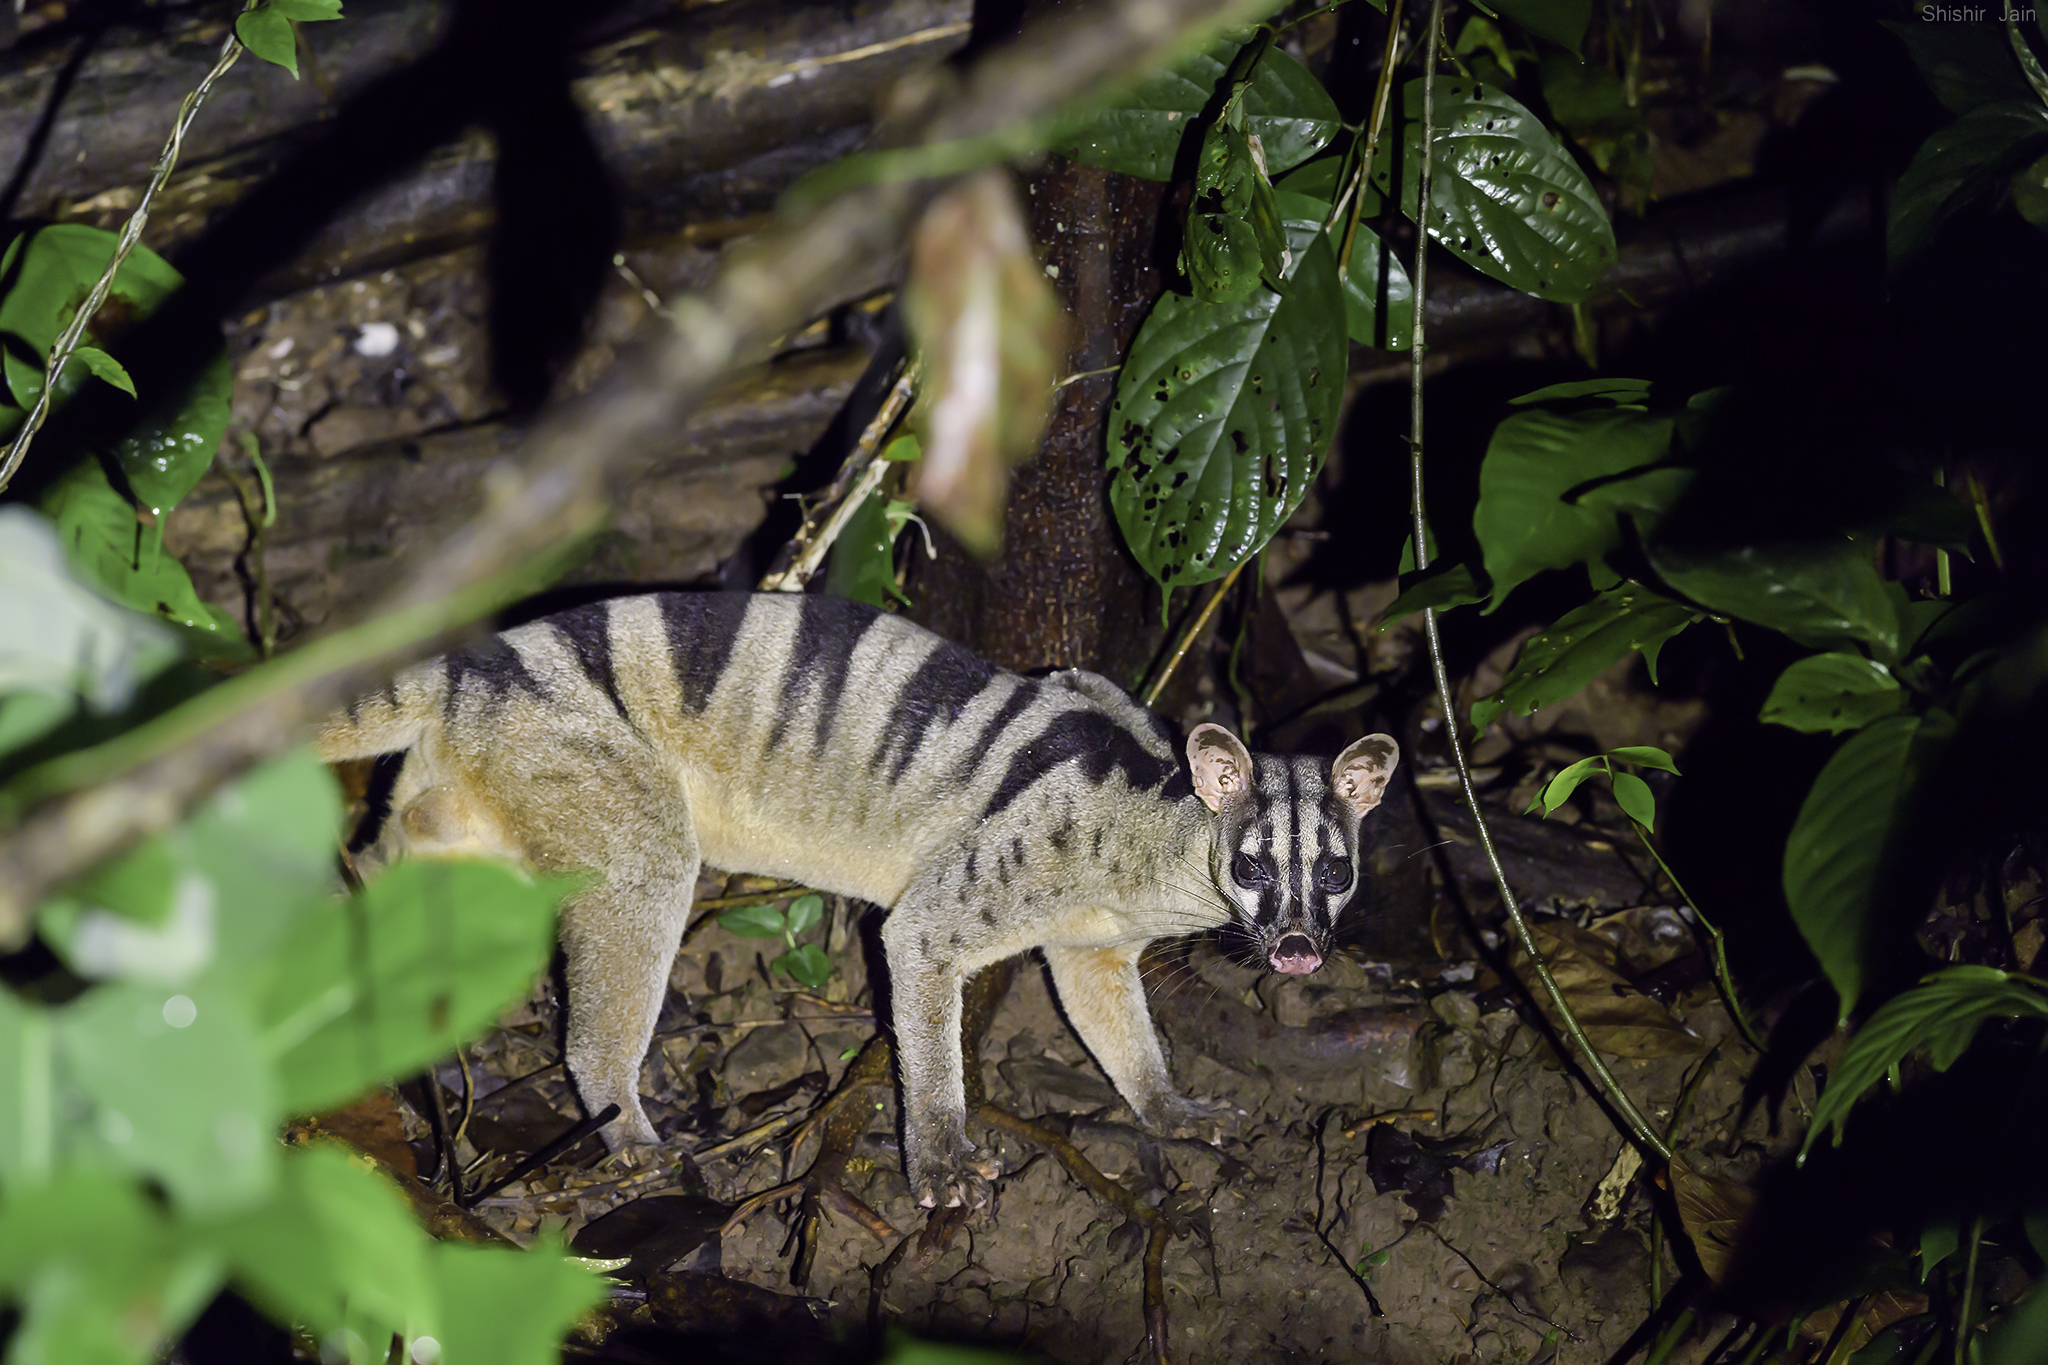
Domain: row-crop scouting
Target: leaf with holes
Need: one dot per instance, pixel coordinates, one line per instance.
(1233, 235)
(1140, 132)
(1379, 298)
(1224, 411)
(1584, 642)
(1505, 196)
(1833, 693)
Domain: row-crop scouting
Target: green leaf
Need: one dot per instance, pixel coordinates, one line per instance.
(2021, 1336)
(104, 367)
(1836, 854)
(335, 1240)
(807, 963)
(1965, 65)
(1937, 1243)
(904, 449)
(226, 887)
(97, 1273)
(1636, 800)
(1833, 693)
(1527, 519)
(862, 565)
(1942, 1014)
(1453, 585)
(267, 32)
(1505, 196)
(1140, 132)
(1645, 755)
(753, 921)
(2029, 189)
(804, 912)
(165, 453)
(1615, 391)
(1560, 788)
(59, 637)
(308, 11)
(1379, 298)
(510, 1307)
(406, 971)
(1819, 593)
(178, 1088)
(1561, 21)
(1224, 412)
(58, 266)
(1583, 643)
(111, 549)
(1232, 236)
(1957, 164)
(28, 1102)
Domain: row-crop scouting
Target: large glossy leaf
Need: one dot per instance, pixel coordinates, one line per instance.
(407, 970)
(1141, 129)
(1505, 196)
(1224, 411)
(1833, 693)
(1836, 854)
(1140, 132)
(1942, 1014)
(1819, 593)
(1965, 65)
(1379, 298)
(1583, 643)
(1957, 164)
(1533, 513)
(1442, 587)
(110, 547)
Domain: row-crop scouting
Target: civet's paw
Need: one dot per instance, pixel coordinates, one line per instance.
(1183, 1116)
(946, 1174)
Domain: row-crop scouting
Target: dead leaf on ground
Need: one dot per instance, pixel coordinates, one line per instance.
(1713, 1211)
(1619, 1019)
(991, 333)
(1421, 1167)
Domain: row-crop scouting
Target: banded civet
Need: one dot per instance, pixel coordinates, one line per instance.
(819, 740)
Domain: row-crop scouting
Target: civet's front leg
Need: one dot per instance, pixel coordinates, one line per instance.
(926, 973)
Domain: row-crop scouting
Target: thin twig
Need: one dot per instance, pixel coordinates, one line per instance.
(1380, 97)
(812, 541)
(131, 233)
(1189, 636)
(1724, 980)
(1644, 1135)
(557, 488)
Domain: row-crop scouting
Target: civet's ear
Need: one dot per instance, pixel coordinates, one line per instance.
(1222, 768)
(1361, 773)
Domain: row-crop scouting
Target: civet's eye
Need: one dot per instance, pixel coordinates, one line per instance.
(1333, 875)
(1246, 871)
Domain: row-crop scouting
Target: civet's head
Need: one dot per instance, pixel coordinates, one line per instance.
(1286, 849)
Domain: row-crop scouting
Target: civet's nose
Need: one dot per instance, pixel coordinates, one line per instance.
(1295, 955)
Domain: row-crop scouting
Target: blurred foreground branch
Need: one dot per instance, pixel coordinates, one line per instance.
(89, 806)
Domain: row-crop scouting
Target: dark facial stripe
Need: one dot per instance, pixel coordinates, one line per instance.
(1013, 706)
(1294, 849)
(940, 689)
(828, 629)
(490, 664)
(1099, 745)
(702, 627)
(588, 633)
